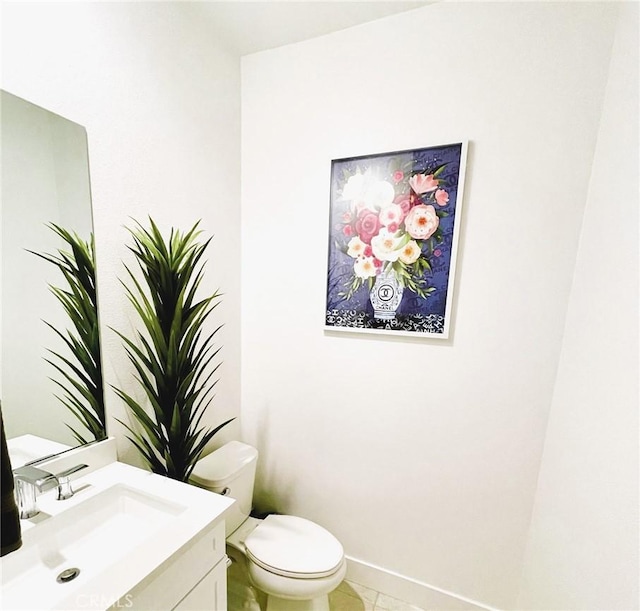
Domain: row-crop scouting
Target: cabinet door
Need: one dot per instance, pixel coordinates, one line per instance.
(210, 593)
(181, 573)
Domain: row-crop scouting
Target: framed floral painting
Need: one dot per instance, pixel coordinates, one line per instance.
(393, 234)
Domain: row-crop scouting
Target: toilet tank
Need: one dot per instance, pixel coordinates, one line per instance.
(231, 471)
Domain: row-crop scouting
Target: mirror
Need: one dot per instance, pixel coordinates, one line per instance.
(45, 182)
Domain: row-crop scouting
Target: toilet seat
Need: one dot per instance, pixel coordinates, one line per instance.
(294, 547)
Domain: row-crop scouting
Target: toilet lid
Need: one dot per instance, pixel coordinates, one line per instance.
(294, 547)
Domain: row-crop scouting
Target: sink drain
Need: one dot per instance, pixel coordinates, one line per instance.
(68, 575)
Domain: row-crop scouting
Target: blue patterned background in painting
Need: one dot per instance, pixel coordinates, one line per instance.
(340, 265)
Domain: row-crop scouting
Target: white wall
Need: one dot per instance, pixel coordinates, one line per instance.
(421, 456)
(160, 102)
(583, 547)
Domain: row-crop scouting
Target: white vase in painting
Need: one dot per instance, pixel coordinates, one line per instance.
(386, 295)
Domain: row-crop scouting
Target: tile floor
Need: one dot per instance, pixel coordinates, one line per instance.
(350, 596)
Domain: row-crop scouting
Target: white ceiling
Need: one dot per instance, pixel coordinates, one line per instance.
(248, 27)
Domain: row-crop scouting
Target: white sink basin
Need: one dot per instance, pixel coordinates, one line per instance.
(89, 537)
(116, 533)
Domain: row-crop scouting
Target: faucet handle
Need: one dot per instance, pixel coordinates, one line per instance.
(65, 491)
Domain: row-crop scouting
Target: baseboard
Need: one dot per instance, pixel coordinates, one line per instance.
(409, 590)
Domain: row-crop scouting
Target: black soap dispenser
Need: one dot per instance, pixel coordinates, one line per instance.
(10, 536)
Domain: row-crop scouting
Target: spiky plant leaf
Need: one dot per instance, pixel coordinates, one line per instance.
(172, 353)
(83, 394)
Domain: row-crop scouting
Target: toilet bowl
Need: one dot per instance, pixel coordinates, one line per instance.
(292, 561)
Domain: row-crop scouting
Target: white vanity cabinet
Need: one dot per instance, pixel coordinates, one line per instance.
(131, 540)
(193, 579)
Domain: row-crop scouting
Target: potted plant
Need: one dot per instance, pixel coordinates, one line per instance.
(82, 389)
(173, 354)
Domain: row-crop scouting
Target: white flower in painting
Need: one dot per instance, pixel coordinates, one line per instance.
(410, 252)
(364, 267)
(366, 191)
(386, 246)
(356, 247)
(379, 195)
(391, 215)
(354, 189)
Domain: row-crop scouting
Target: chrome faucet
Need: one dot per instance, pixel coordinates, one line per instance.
(30, 480)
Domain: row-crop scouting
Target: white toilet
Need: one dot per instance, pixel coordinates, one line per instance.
(295, 562)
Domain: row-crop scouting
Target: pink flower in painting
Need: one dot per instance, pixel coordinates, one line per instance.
(367, 225)
(422, 222)
(437, 252)
(368, 251)
(346, 217)
(398, 175)
(347, 230)
(442, 197)
(393, 227)
(404, 201)
(423, 183)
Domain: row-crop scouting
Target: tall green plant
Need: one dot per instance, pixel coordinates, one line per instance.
(82, 387)
(173, 357)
